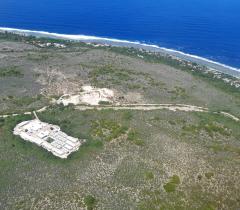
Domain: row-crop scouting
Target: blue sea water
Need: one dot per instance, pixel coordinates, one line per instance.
(207, 28)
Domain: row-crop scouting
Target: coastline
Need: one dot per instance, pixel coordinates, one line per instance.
(212, 65)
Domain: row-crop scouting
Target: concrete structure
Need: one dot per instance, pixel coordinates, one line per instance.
(89, 96)
(47, 136)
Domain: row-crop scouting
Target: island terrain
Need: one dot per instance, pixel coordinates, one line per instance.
(152, 131)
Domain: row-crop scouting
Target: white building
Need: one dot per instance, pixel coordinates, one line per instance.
(47, 136)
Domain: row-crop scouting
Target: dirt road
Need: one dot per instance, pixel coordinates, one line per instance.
(140, 107)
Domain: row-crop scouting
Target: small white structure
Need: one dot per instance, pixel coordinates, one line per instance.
(89, 96)
(57, 45)
(47, 136)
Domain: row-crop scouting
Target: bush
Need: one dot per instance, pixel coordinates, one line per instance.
(172, 184)
(90, 202)
(11, 71)
(134, 137)
(127, 115)
(104, 103)
(209, 175)
(107, 130)
(149, 175)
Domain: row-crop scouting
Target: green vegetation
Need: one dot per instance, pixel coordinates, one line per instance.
(172, 184)
(38, 56)
(218, 128)
(90, 202)
(149, 175)
(32, 39)
(208, 206)
(26, 100)
(216, 147)
(155, 200)
(23, 104)
(107, 130)
(15, 37)
(127, 115)
(171, 122)
(133, 137)
(218, 83)
(219, 123)
(210, 128)
(97, 127)
(192, 68)
(104, 103)
(15, 143)
(109, 164)
(209, 175)
(179, 92)
(109, 75)
(10, 71)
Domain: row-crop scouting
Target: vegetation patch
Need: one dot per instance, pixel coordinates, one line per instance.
(178, 92)
(107, 130)
(172, 184)
(10, 71)
(154, 199)
(26, 100)
(217, 147)
(149, 175)
(127, 115)
(17, 104)
(38, 56)
(90, 202)
(209, 175)
(210, 128)
(104, 103)
(109, 75)
(194, 69)
(133, 137)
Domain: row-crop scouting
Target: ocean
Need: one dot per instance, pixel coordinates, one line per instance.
(206, 29)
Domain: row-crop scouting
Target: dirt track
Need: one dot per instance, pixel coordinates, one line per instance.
(147, 107)
(143, 107)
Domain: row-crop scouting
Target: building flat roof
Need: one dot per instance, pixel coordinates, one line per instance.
(47, 136)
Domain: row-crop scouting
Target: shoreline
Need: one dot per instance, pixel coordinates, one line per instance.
(135, 44)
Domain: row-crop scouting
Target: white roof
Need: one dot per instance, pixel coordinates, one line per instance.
(43, 134)
(33, 125)
(38, 132)
(47, 145)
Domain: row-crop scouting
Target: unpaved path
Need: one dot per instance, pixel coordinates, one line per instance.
(140, 107)
(25, 113)
(230, 116)
(147, 107)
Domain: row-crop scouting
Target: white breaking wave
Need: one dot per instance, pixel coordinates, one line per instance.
(66, 36)
(95, 38)
(201, 58)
